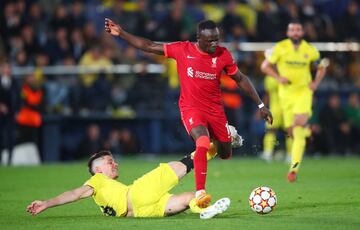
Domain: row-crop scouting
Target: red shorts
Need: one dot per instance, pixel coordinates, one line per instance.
(216, 123)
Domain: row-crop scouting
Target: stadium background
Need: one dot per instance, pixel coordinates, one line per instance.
(100, 93)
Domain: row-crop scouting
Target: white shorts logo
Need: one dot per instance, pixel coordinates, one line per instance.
(190, 72)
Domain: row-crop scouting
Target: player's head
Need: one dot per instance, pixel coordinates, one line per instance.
(103, 162)
(295, 31)
(208, 36)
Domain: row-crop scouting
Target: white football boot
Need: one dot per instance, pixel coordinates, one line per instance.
(236, 140)
(217, 208)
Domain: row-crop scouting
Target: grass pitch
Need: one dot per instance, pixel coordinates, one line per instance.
(326, 196)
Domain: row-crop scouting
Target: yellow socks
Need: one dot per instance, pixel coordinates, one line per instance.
(288, 143)
(298, 147)
(269, 143)
(193, 207)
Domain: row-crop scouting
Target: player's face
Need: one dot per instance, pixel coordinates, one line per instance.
(109, 167)
(208, 40)
(295, 32)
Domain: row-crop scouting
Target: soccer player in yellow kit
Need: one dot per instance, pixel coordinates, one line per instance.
(292, 58)
(271, 87)
(148, 196)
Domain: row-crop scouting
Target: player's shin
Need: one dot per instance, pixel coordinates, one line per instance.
(200, 167)
(269, 145)
(298, 147)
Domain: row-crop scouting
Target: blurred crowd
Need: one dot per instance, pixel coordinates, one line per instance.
(40, 33)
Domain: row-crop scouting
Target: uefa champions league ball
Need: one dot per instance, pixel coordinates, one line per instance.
(262, 200)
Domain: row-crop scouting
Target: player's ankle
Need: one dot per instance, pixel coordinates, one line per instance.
(200, 192)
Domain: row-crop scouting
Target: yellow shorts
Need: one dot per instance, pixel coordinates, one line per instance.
(295, 101)
(150, 193)
(276, 111)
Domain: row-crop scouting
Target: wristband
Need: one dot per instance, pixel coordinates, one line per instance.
(261, 105)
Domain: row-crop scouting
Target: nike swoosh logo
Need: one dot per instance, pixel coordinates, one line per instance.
(190, 57)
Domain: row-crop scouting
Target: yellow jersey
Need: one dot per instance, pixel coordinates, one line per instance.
(109, 194)
(271, 85)
(294, 64)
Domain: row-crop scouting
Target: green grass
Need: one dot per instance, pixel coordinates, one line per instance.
(326, 196)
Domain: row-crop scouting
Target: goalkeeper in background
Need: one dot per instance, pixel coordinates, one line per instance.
(289, 63)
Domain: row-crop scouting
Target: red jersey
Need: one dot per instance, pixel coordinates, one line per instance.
(199, 75)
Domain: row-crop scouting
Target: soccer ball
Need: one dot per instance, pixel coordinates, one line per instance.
(262, 200)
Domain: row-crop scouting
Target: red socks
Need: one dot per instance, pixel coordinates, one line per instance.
(200, 161)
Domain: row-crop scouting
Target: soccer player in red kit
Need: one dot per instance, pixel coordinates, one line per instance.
(199, 67)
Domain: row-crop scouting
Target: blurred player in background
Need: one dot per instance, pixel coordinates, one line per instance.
(147, 197)
(271, 87)
(199, 66)
(289, 63)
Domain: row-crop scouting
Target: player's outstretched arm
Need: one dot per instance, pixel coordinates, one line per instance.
(138, 42)
(38, 206)
(247, 87)
(268, 69)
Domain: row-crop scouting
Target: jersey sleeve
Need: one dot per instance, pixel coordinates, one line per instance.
(273, 54)
(315, 54)
(230, 67)
(172, 50)
(95, 182)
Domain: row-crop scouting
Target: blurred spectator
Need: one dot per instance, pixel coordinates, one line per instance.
(352, 110)
(113, 143)
(128, 142)
(29, 117)
(90, 35)
(77, 17)
(31, 43)
(267, 18)
(231, 18)
(335, 126)
(38, 19)
(78, 44)
(21, 59)
(59, 46)
(60, 19)
(349, 23)
(177, 25)
(95, 88)
(9, 106)
(152, 89)
(92, 143)
(11, 21)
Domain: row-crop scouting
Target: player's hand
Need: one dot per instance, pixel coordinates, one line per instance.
(36, 207)
(112, 28)
(283, 80)
(313, 85)
(266, 114)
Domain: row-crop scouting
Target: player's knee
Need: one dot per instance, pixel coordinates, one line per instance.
(203, 141)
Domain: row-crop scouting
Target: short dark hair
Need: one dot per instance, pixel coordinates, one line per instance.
(295, 21)
(96, 156)
(206, 24)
